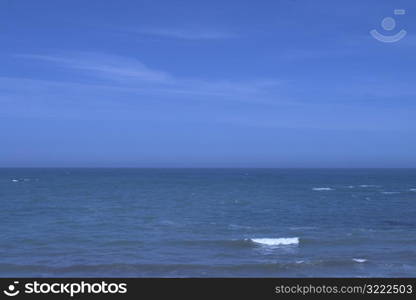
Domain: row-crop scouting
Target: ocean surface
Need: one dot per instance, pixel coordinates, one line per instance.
(208, 222)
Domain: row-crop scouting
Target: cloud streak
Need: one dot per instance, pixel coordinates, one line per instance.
(186, 34)
(103, 65)
(130, 73)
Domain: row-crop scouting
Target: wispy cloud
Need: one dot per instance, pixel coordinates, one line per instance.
(119, 85)
(115, 67)
(131, 73)
(187, 34)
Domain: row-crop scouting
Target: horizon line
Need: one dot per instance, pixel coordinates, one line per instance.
(265, 168)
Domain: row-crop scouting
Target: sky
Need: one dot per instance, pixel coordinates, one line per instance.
(289, 83)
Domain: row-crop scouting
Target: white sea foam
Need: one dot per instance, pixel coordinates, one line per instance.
(276, 242)
(368, 185)
(15, 180)
(322, 189)
(359, 260)
(412, 190)
(390, 193)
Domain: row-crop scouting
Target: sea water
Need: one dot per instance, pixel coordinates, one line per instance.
(208, 222)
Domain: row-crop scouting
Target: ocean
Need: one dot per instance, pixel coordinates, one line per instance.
(208, 222)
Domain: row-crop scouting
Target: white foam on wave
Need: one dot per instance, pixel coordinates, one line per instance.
(368, 185)
(390, 193)
(15, 180)
(412, 190)
(276, 242)
(359, 260)
(322, 189)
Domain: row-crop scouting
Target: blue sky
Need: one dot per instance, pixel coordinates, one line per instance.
(291, 83)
